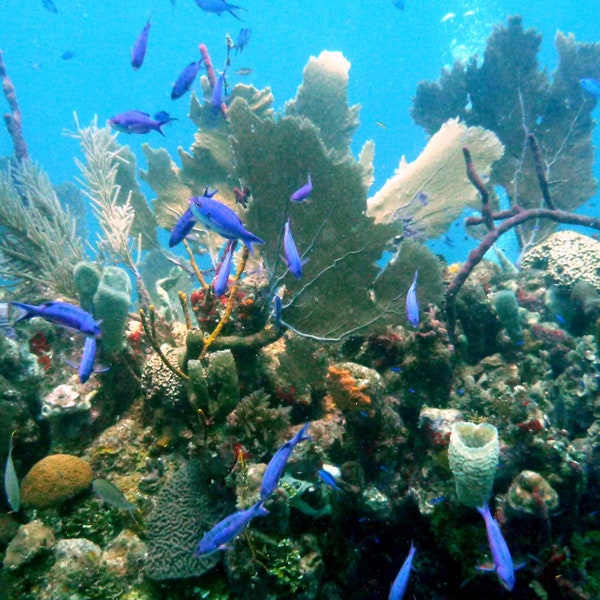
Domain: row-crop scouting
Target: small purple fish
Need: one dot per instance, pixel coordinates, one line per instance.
(412, 304)
(277, 464)
(136, 121)
(401, 581)
(184, 225)
(242, 39)
(503, 562)
(185, 80)
(292, 258)
(221, 219)
(227, 529)
(138, 51)
(217, 93)
(222, 276)
(218, 7)
(302, 193)
(63, 314)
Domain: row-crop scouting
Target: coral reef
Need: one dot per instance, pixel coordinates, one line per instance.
(55, 479)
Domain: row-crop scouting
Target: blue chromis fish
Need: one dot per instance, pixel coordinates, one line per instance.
(412, 304)
(221, 219)
(138, 51)
(242, 39)
(11, 482)
(503, 563)
(111, 494)
(292, 257)
(222, 276)
(303, 192)
(226, 530)
(49, 6)
(217, 93)
(399, 4)
(63, 314)
(88, 357)
(184, 225)
(218, 7)
(136, 121)
(277, 464)
(591, 86)
(401, 581)
(329, 479)
(185, 80)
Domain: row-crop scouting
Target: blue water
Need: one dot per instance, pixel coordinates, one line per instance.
(390, 52)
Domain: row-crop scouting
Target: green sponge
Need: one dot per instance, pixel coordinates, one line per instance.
(473, 455)
(86, 276)
(111, 304)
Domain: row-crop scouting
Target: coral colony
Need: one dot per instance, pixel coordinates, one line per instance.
(280, 416)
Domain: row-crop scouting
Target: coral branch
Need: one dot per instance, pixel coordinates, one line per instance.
(210, 73)
(230, 302)
(13, 119)
(486, 209)
(512, 218)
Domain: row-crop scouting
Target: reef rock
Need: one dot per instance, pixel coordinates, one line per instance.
(567, 257)
(31, 539)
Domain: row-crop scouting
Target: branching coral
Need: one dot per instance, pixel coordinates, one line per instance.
(116, 200)
(39, 246)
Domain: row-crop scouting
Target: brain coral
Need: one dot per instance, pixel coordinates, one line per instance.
(55, 479)
(183, 512)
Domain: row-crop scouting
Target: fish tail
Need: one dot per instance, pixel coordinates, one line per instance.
(250, 239)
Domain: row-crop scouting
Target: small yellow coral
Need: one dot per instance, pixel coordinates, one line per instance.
(346, 394)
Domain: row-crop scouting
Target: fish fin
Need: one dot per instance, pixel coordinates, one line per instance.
(487, 567)
(71, 363)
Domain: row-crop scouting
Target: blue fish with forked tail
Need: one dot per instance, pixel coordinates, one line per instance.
(277, 464)
(401, 581)
(218, 7)
(136, 121)
(138, 51)
(292, 257)
(185, 80)
(221, 219)
(227, 529)
(503, 562)
(63, 314)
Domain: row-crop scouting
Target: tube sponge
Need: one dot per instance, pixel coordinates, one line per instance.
(473, 455)
(111, 304)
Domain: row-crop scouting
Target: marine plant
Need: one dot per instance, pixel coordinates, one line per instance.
(506, 92)
(39, 246)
